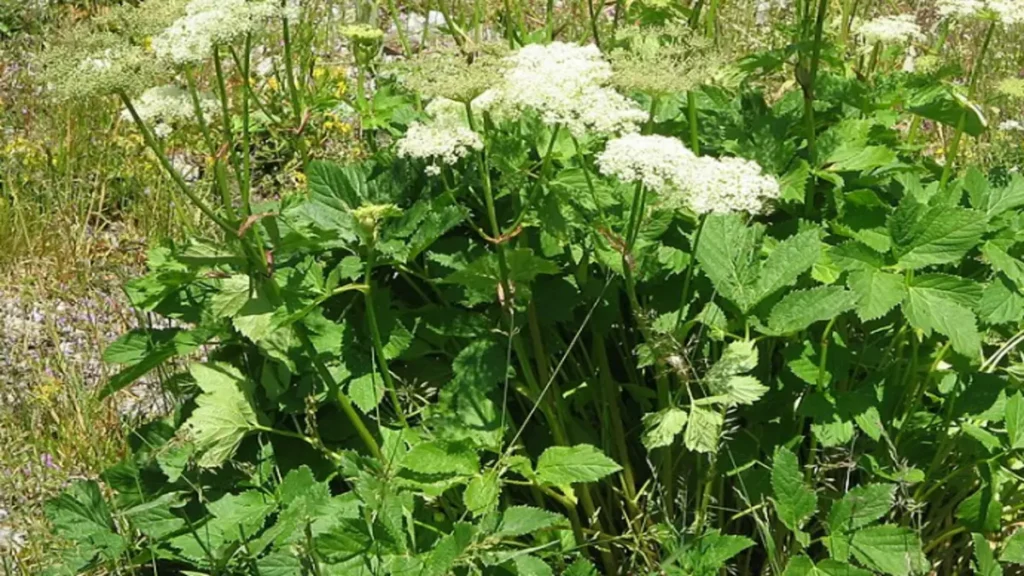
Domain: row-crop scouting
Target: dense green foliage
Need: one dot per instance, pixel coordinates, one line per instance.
(523, 366)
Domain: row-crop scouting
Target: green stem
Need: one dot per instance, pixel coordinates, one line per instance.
(808, 89)
(245, 183)
(204, 127)
(378, 344)
(613, 396)
(293, 90)
(179, 181)
(954, 146)
(684, 298)
(402, 39)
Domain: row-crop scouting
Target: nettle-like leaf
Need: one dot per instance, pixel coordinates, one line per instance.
(522, 520)
(795, 502)
(704, 430)
(804, 566)
(877, 292)
(926, 236)
(442, 458)
(984, 560)
(728, 255)
(661, 428)
(564, 465)
(861, 506)
(798, 310)
(1015, 421)
(994, 201)
(941, 304)
(725, 378)
(889, 549)
(81, 515)
(1013, 548)
(481, 495)
(224, 413)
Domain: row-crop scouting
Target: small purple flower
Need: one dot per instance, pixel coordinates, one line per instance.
(47, 460)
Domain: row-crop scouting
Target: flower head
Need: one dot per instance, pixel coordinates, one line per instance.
(208, 23)
(660, 60)
(566, 84)
(899, 29)
(448, 73)
(1008, 12)
(166, 106)
(446, 137)
(85, 63)
(661, 163)
(729, 185)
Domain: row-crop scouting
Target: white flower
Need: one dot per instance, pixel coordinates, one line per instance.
(1011, 126)
(166, 106)
(729, 185)
(208, 23)
(565, 84)
(1008, 12)
(446, 137)
(898, 29)
(663, 164)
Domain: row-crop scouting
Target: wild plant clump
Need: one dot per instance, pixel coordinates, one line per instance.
(579, 304)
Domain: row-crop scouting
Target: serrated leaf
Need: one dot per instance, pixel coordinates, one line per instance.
(240, 515)
(743, 390)
(444, 458)
(661, 428)
(367, 391)
(804, 566)
(156, 518)
(522, 520)
(1013, 548)
(279, 563)
(928, 311)
(984, 560)
(795, 502)
(893, 550)
(981, 511)
(80, 514)
(563, 465)
(936, 235)
(581, 567)
(1000, 303)
(1003, 262)
(224, 413)
(481, 495)
(703, 430)
(995, 201)
(1015, 421)
(726, 254)
(877, 292)
(861, 506)
(233, 293)
(791, 258)
(854, 255)
(798, 310)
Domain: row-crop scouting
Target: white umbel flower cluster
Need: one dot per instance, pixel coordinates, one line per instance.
(702, 184)
(1011, 126)
(208, 23)
(1008, 12)
(567, 85)
(722, 185)
(899, 29)
(661, 163)
(163, 107)
(445, 138)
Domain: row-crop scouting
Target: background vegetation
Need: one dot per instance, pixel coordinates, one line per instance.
(335, 324)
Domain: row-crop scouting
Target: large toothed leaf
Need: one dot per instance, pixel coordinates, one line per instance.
(794, 500)
(661, 428)
(861, 506)
(704, 430)
(561, 465)
(798, 310)
(929, 310)
(926, 236)
(877, 292)
(224, 413)
(892, 550)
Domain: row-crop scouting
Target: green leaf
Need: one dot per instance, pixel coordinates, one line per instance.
(984, 560)
(1015, 421)
(890, 549)
(995, 201)
(240, 515)
(279, 563)
(703, 430)
(854, 255)
(804, 566)
(798, 310)
(794, 500)
(340, 187)
(563, 465)
(146, 350)
(661, 428)
(232, 295)
(930, 310)
(531, 566)
(1003, 262)
(444, 458)
(80, 514)
(859, 158)
(523, 520)
(1000, 303)
(581, 567)
(861, 506)
(793, 185)
(936, 235)
(724, 378)
(726, 254)
(743, 390)
(224, 414)
(156, 518)
(981, 511)
(877, 292)
(791, 258)
(1013, 549)
(940, 103)
(482, 493)
(447, 551)
(366, 391)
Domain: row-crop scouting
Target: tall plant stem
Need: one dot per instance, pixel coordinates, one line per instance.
(691, 116)
(613, 396)
(402, 37)
(808, 89)
(549, 20)
(245, 183)
(179, 181)
(218, 163)
(378, 344)
(954, 145)
(293, 90)
(684, 298)
(593, 23)
(225, 113)
(711, 20)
